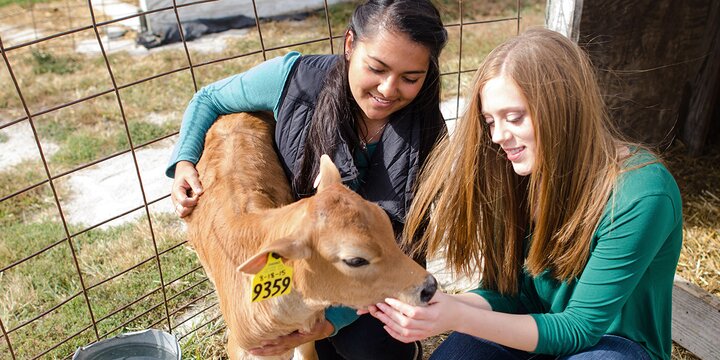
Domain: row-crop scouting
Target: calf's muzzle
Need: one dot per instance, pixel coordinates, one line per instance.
(429, 288)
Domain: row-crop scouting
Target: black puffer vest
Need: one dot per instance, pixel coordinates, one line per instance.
(394, 164)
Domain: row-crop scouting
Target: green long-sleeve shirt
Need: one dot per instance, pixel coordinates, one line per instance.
(626, 286)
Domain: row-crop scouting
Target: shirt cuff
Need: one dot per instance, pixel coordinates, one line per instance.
(340, 317)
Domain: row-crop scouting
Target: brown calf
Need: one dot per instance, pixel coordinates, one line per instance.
(341, 248)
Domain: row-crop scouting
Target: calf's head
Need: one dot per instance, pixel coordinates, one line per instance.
(344, 251)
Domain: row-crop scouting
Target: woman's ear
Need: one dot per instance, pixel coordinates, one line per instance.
(349, 42)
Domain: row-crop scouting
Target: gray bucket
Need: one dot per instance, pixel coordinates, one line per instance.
(148, 344)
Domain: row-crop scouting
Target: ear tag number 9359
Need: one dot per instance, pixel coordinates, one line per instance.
(275, 279)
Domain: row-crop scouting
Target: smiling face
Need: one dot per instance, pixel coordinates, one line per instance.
(386, 72)
(505, 111)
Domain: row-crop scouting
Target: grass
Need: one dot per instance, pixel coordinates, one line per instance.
(698, 179)
(33, 286)
(52, 73)
(30, 222)
(48, 63)
(24, 3)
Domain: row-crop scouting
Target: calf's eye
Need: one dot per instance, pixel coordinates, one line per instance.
(356, 262)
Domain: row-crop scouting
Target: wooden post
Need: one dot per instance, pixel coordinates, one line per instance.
(563, 16)
(696, 319)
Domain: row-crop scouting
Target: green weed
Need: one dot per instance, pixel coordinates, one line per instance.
(80, 149)
(25, 3)
(32, 201)
(57, 131)
(142, 132)
(48, 63)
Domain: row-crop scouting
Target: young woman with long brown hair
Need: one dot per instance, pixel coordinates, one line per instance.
(576, 231)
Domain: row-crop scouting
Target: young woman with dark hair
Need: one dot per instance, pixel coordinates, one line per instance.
(576, 231)
(374, 109)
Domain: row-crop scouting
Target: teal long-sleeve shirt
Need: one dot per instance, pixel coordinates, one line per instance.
(626, 286)
(258, 89)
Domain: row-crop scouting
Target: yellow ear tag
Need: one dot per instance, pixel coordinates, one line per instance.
(275, 279)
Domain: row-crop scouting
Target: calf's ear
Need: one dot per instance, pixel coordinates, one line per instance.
(293, 248)
(328, 175)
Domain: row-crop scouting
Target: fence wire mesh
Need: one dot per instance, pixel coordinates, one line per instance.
(92, 103)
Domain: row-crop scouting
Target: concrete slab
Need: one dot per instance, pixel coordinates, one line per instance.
(116, 9)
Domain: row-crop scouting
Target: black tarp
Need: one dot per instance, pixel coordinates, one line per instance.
(161, 27)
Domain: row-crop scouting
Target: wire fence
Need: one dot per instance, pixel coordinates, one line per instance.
(52, 266)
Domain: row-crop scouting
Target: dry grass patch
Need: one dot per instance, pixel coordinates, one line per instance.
(699, 182)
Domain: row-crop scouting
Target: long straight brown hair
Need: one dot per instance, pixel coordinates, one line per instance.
(471, 203)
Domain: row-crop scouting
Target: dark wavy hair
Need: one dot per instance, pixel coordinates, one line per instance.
(336, 113)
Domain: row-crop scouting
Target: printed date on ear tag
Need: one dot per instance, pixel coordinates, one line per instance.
(275, 279)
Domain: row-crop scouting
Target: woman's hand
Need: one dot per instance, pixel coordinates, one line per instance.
(409, 323)
(186, 188)
(320, 330)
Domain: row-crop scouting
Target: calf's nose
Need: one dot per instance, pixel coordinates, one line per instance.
(428, 289)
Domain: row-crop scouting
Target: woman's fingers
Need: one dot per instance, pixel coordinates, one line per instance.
(407, 323)
(390, 313)
(195, 186)
(182, 211)
(184, 204)
(269, 350)
(400, 337)
(186, 188)
(406, 309)
(284, 343)
(277, 346)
